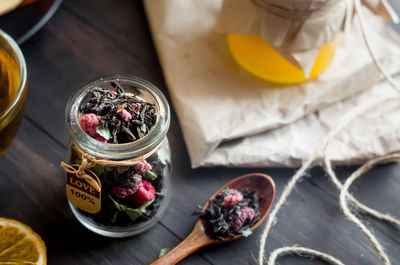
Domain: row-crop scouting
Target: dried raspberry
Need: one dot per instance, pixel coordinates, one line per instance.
(129, 180)
(232, 198)
(122, 192)
(89, 122)
(143, 166)
(102, 139)
(125, 115)
(145, 193)
(249, 212)
(122, 169)
(237, 221)
(137, 107)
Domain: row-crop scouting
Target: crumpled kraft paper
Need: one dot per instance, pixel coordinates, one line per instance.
(375, 133)
(220, 105)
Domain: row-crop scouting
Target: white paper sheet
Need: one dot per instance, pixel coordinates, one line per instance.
(217, 101)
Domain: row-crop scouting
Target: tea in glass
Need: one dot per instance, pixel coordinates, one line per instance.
(12, 89)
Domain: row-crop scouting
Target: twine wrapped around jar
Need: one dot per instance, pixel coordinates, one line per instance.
(89, 161)
(295, 28)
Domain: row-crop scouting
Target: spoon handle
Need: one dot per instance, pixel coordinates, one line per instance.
(196, 240)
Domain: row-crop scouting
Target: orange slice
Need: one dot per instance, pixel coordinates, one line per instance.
(19, 244)
(8, 5)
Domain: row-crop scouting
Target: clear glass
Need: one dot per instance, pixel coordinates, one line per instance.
(13, 80)
(110, 221)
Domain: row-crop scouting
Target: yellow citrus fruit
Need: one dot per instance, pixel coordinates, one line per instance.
(19, 244)
(8, 5)
(262, 60)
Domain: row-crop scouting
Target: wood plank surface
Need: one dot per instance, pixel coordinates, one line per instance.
(86, 39)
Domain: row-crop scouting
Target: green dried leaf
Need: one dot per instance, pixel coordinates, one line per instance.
(98, 170)
(247, 232)
(163, 251)
(103, 131)
(133, 213)
(238, 211)
(151, 175)
(143, 128)
(217, 228)
(114, 218)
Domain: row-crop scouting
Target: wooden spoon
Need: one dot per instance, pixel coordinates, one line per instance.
(265, 187)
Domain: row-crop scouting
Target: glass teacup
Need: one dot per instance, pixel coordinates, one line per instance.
(12, 89)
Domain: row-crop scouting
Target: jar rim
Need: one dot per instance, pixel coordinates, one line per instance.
(124, 151)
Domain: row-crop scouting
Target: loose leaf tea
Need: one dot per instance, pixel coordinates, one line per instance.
(232, 212)
(104, 132)
(247, 232)
(133, 213)
(132, 193)
(163, 251)
(115, 116)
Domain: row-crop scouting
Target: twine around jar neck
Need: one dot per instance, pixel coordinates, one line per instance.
(301, 9)
(89, 161)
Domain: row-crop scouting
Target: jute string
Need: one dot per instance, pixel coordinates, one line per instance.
(345, 197)
(89, 161)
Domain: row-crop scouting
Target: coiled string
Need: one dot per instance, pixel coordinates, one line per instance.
(345, 197)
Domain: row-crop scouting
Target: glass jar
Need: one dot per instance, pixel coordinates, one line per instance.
(259, 58)
(298, 28)
(115, 219)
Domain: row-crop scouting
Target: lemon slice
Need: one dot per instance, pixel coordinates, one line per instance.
(8, 5)
(19, 244)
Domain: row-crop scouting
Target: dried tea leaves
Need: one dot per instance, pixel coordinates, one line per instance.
(121, 117)
(232, 212)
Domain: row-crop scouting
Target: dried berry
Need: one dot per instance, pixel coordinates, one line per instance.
(238, 220)
(231, 198)
(143, 166)
(231, 212)
(145, 193)
(122, 192)
(89, 123)
(125, 115)
(121, 117)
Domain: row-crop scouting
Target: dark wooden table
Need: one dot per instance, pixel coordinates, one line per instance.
(86, 39)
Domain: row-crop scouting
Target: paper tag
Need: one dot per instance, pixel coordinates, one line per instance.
(83, 195)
